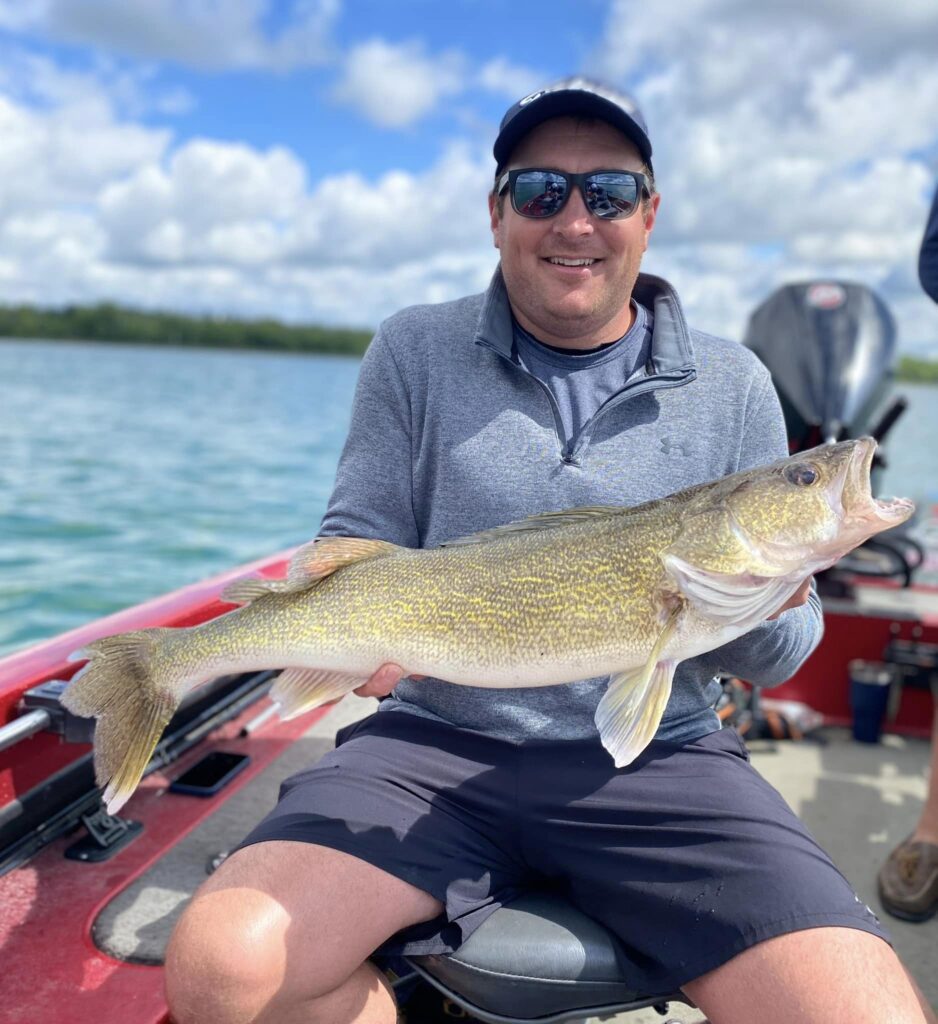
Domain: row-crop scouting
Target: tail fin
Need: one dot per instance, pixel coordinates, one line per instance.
(118, 686)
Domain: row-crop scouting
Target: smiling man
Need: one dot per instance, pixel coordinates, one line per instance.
(575, 380)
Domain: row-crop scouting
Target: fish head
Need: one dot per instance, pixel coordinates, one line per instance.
(814, 506)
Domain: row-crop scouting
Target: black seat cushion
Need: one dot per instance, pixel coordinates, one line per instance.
(535, 958)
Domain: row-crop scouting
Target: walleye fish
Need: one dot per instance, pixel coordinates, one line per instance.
(562, 596)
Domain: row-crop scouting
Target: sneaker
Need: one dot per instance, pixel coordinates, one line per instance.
(908, 881)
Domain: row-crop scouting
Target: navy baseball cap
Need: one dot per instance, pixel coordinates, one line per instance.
(572, 96)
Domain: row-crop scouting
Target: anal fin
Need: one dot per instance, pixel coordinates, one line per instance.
(302, 689)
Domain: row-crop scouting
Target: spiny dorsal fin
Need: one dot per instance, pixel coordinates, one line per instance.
(312, 563)
(540, 521)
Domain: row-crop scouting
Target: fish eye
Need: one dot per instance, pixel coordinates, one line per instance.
(802, 474)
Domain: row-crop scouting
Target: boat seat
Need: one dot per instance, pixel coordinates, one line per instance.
(538, 959)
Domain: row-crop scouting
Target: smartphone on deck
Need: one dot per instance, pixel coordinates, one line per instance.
(210, 774)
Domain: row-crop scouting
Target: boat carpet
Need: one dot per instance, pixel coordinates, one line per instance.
(135, 926)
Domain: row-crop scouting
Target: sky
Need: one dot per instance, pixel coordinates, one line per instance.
(327, 161)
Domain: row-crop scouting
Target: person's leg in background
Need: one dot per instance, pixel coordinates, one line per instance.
(908, 881)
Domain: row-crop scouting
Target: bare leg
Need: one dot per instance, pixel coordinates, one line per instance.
(281, 933)
(812, 977)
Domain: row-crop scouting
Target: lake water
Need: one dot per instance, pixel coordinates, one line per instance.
(126, 471)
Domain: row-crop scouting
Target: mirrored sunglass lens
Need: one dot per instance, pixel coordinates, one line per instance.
(539, 193)
(611, 195)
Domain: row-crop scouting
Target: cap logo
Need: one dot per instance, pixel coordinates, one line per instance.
(532, 97)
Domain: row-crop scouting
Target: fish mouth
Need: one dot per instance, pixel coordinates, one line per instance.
(858, 497)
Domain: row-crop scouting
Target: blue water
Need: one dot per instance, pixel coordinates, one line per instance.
(129, 471)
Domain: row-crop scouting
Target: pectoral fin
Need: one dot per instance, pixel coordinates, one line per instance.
(302, 689)
(631, 709)
(733, 599)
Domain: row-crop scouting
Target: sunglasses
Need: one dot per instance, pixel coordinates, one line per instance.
(539, 193)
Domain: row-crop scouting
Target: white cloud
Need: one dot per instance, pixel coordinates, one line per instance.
(206, 34)
(61, 156)
(394, 85)
(510, 80)
(15, 15)
(376, 225)
(222, 204)
(211, 202)
(36, 81)
(97, 208)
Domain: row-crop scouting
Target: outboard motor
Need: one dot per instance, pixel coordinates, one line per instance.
(831, 349)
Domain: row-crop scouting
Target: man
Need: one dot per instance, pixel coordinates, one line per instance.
(908, 881)
(573, 381)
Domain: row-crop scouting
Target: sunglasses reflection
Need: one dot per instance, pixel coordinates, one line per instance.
(542, 193)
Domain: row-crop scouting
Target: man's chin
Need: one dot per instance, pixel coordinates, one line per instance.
(576, 310)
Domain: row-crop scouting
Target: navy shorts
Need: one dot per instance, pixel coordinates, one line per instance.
(688, 855)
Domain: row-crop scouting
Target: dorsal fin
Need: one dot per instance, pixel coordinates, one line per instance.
(540, 521)
(310, 564)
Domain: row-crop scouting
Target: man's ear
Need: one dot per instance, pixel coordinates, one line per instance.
(649, 214)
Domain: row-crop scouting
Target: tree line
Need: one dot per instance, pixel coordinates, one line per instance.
(109, 322)
(922, 371)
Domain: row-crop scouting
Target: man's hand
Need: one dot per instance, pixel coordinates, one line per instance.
(383, 681)
(796, 600)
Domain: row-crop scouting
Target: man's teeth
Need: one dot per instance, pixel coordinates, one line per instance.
(560, 261)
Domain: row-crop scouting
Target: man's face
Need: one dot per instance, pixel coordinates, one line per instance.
(583, 306)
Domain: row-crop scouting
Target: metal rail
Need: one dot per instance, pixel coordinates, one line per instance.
(23, 727)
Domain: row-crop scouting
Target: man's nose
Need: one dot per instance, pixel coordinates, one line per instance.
(574, 219)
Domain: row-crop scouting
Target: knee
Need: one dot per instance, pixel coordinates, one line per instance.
(223, 965)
